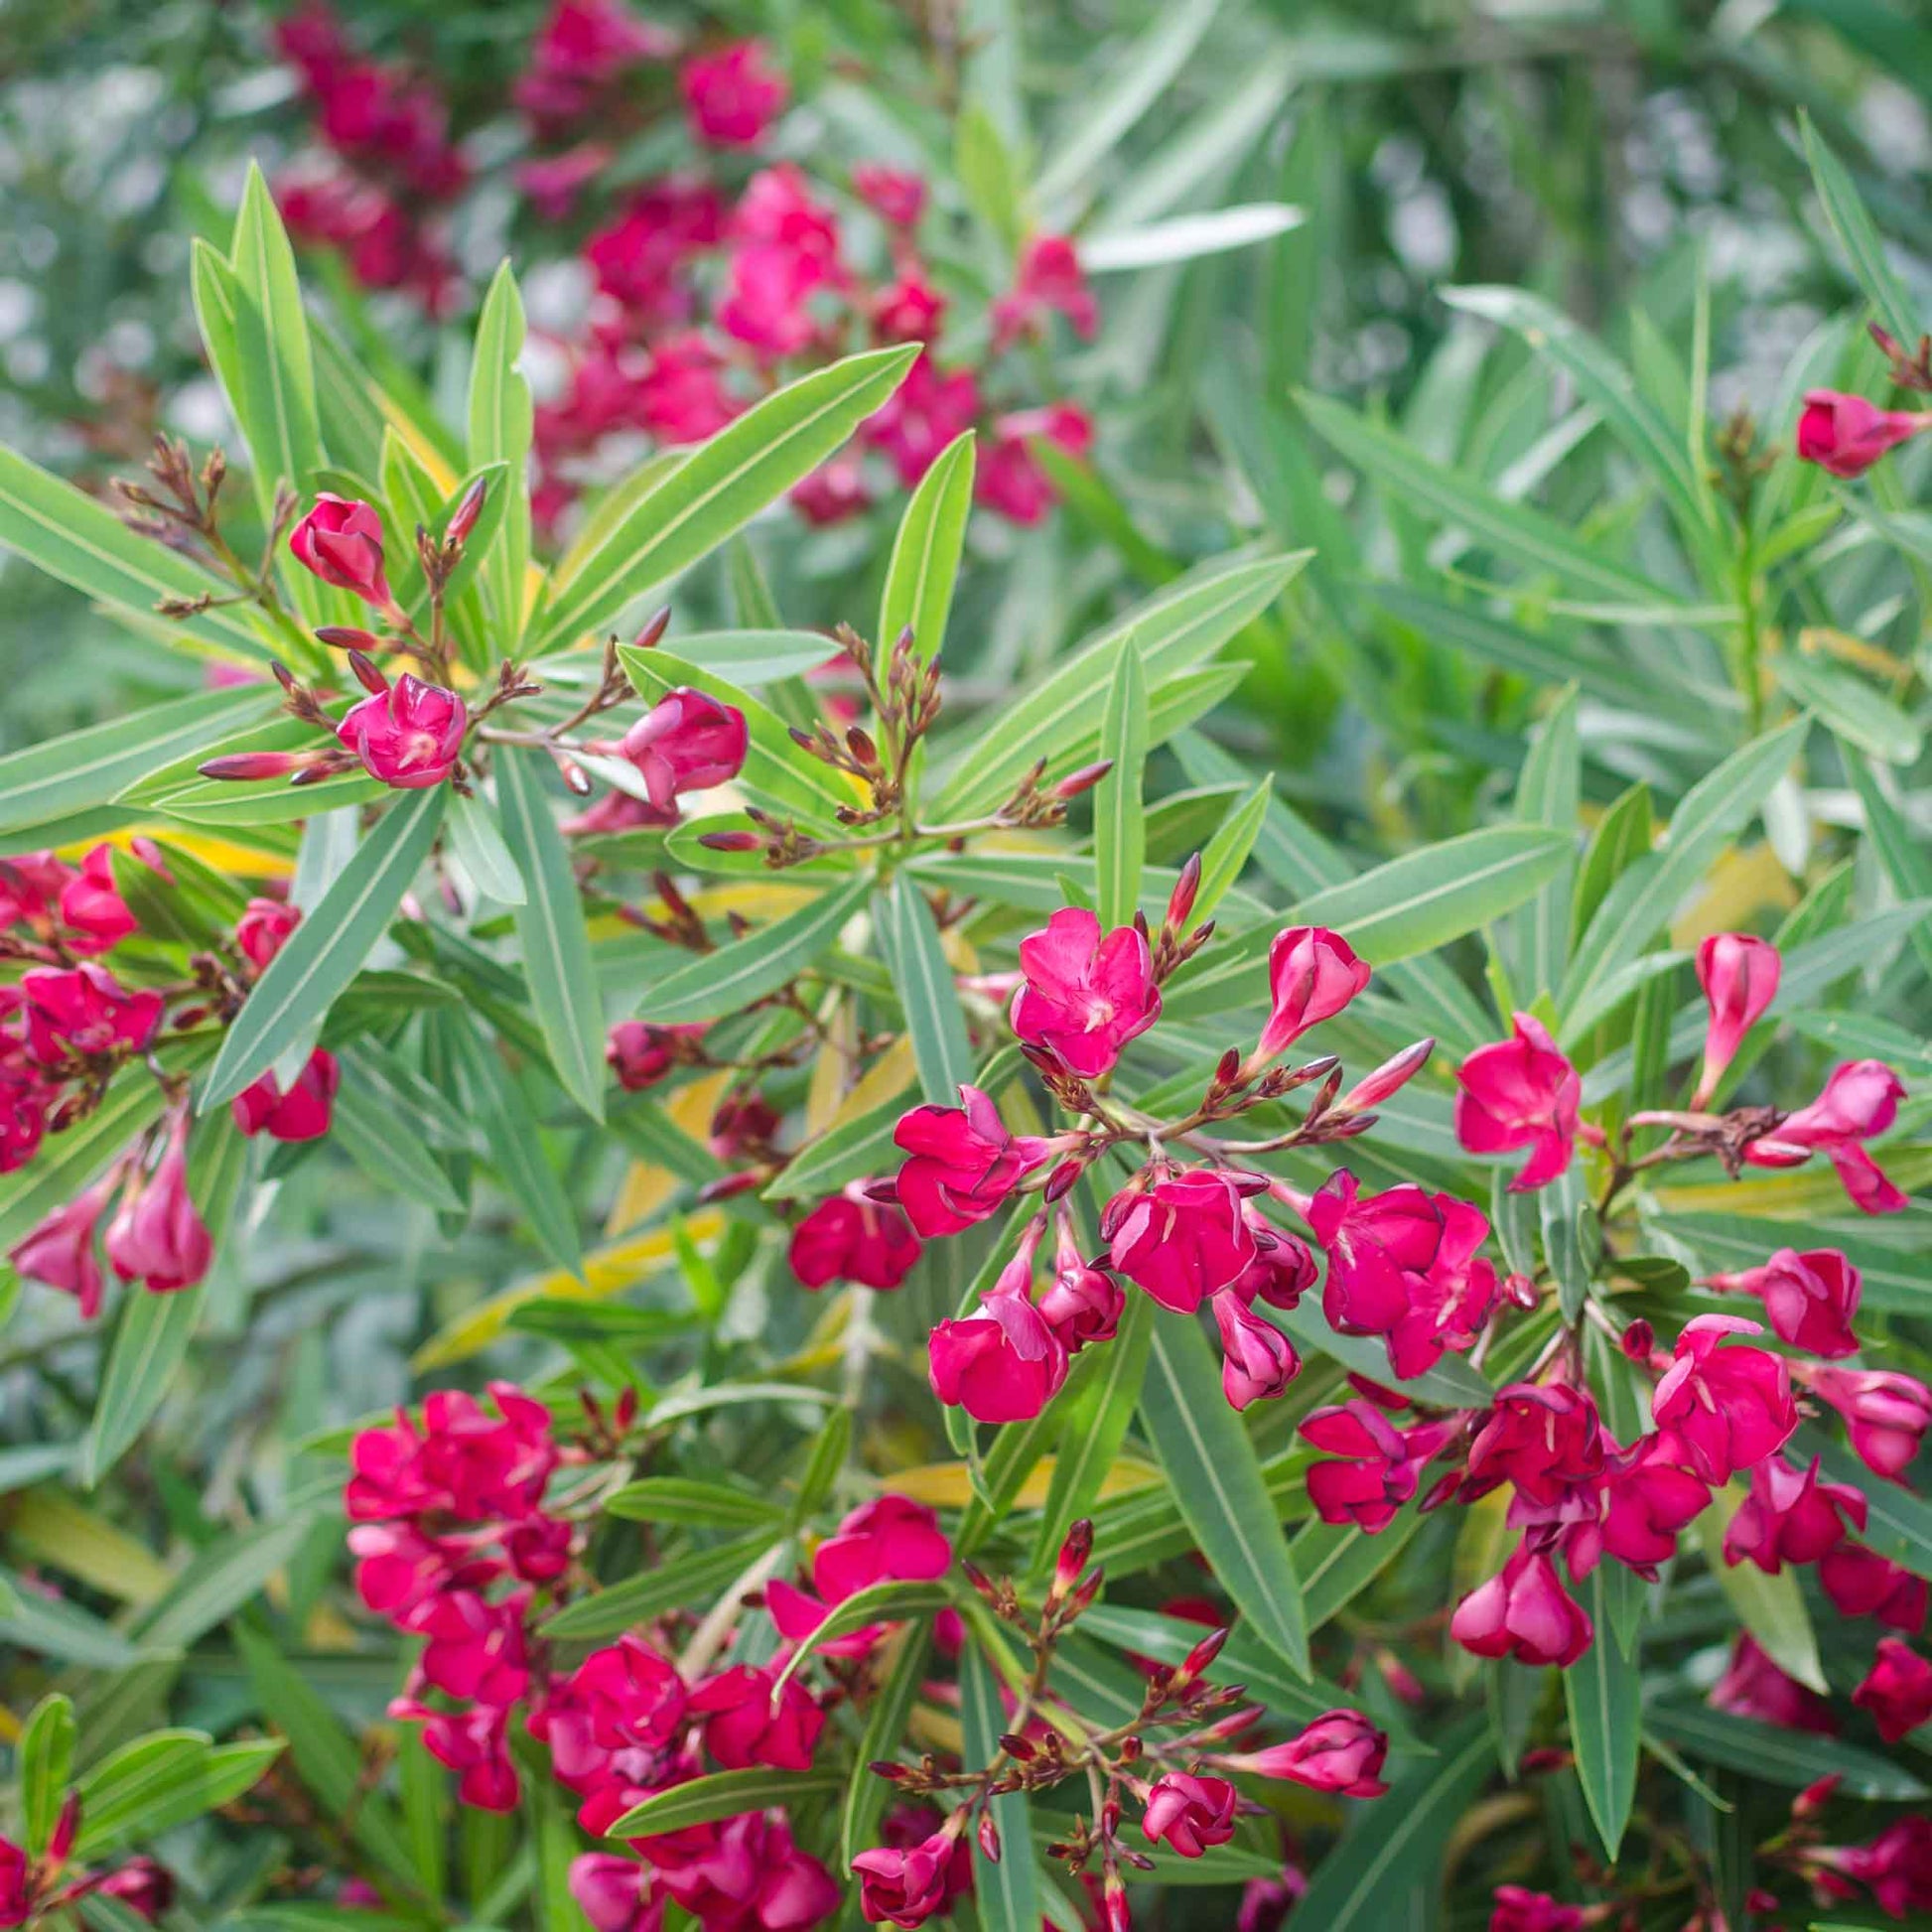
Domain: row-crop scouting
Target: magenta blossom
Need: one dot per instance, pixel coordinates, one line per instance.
(611, 1715)
(408, 736)
(1862, 1583)
(854, 1238)
(686, 742)
(614, 1893)
(156, 1237)
(1898, 1690)
(1313, 974)
(263, 929)
(1190, 1814)
(1340, 1751)
(642, 1054)
(1050, 280)
(1739, 977)
(1790, 1516)
(1860, 1101)
(1374, 1244)
(1524, 1612)
(905, 1887)
(1520, 1092)
(92, 906)
(1847, 435)
(743, 1728)
(1732, 1407)
(59, 1250)
(1754, 1687)
(1182, 1237)
(1085, 996)
(891, 1539)
(1544, 1440)
(1372, 1473)
(733, 95)
(1896, 1866)
(1808, 1299)
(340, 540)
(301, 1114)
(963, 1162)
(1082, 1303)
(1886, 1413)
(1650, 1494)
(1258, 1361)
(1515, 1908)
(85, 1012)
(896, 194)
(1006, 1363)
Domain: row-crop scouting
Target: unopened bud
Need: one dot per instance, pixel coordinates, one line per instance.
(988, 1837)
(1083, 780)
(1074, 1553)
(368, 674)
(285, 678)
(1440, 1492)
(726, 1186)
(463, 519)
(1816, 1796)
(346, 636)
(884, 1767)
(1389, 1077)
(1082, 1598)
(573, 775)
(1017, 1748)
(1521, 1290)
(1198, 1659)
(66, 1828)
(980, 1581)
(626, 1412)
(652, 634)
(1638, 1341)
(859, 742)
(1059, 1184)
(729, 841)
(251, 764)
(1181, 901)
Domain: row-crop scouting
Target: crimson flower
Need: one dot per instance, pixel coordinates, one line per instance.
(1189, 1814)
(1258, 1361)
(408, 736)
(1790, 1516)
(1313, 974)
(1808, 1299)
(301, 1114)
(1523, 1611)
(734, 96)
(741, 1728)
(1520, 1092)
(963, 1162)
(1085, 995)
(891, 1539)
(1886, 1413)
(1860, 1101)
(1754, 1687)
(1862, 1583)
(1847, 435)
(1340, 1751)
(1732, 1407)
(86, 1011)
(1182, 1237)
(905, 1887)
(686, 742)
(854, 1238)
(156, 1236)
(1898, 1690)
(58, 1250)
(1372, 1473)
(1739, 977)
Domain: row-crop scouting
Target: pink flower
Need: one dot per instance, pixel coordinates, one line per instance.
(1862, 1583)
(1650, 1494)
(17, 1884)
(1545, 1440)
(1006, 1363)
(853, 1238)
(615, 813)
(31, 886)
(891, 1539)
(84, 1011)
(1732, 1407)
(1898, 1690)
(1520, 1092)
(897, 194)
(768, 299)
(1373, 1473)
(1258, 1361)
(1861, 1100)
(834, 490)
(754, 1879)
(340, 540)
(642, 1054)
(59, 1250)
(1082, 1303)
(458, 1462)
(1190, 1814)
(145, 1887)
(301, 1114)
(409, 735)
(1374, 1244)
(612, 1716)
(1182, 1237)
(1790, 1516)
(553, 182)
(1808, 1299)
(263, 929)
(1896, 1864)
(1283, 1270)
(1515, 1909)
(1847, 435)
(1523, 1613)
(1084, 996)
(905, 1887)
(686, 742)
(1313, 974)
(1010, 480)
(614, 1893)
(1754, 1687)
(742, 1728)
(681, 396)
(962, 1164)
(476, 1743)
(1450, 1299)
(1340, 1751)
(734, 96)
(1739, 977)
(637, 260)
(156, 1237)
(1886, 1413)
(928, 410)
(1049, 280)
(94, 907)
(909, 309)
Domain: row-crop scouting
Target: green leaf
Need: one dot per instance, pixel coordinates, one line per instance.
(1218, 1485)
(550, 928)
(886, 1718)
(735, 976)
(1226, 853)
(1859, 236)
(1771, 1608)
(684, 1582)
(1185, 237)
(322, 955)
(1398, 1846)
(1900, 852)
(45, 1756)
(1603, 1691)
(724, 1794)
(382, 1145)
(1851, 707)
(1547, 793)
(754, 656)
(926, 992)
(479, 849)
(678, 1499)
(1007, 1894)
(1337, 1562)
(161, 1781)
(501, 422)
(1779, 1754)
(720, 488)
(891, 1601)
(924, 564)
(1118, 815)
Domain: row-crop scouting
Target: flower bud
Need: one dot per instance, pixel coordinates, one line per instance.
(340, 540)
(1081, 780)
(1073, 1556)
(1389, 1077)
(1181, 901)
(252, 764)
(346, 636)
(66, 1828)
(729, 841)
(652, 634)
(988, 1837)
(1639, 1339)
(367, 675)
(463, 519)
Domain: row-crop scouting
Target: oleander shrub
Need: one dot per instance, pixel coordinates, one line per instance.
(675, 1261)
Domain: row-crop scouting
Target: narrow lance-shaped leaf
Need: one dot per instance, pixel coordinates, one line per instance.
(1603, 1691)
(926, 990)
(44, 1761)
(1119, 814)
(1008, 1894)
(924, 563)
(1859, 235)
(501, 423)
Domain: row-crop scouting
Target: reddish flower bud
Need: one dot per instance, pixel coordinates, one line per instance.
(254, 765)
(1181, 901)
(368, 674)
(463, 519)
(729, 841)
(1313, 974)
(1390, 1078)
(1340, 1751)
(1639, 1339)
(1257, 1359)
(346, 636)
(264, 925)
(1847, 435)
(989, 1837)
(1739, 977)
(340, 540)
(1084, 779)
(156, 1236)
(1523, 1613)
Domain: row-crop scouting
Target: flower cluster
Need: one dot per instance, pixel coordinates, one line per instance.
(32, 1888)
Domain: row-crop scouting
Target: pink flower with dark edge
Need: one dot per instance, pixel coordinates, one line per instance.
(1190, 1814)
(963, 1164)
(1650, 1494)
(854, 1238)
(59, 1251)
(340, 540)
(614, 1893)
(1085, 995)
(1543, 1438)
(1340, 1751)
(687, 742)
(1847, 435)
(1886, 1413)
(1006, 1363)
(1808, 1299)
(1313, 974)
(1739, 977)
(1258, 1361)
(93, 907)
(1896, 1866)
(896, 194)
(1182, 1238)
(1524, 1612)
(740, 1727)
(263, 929)
(1047, 280)
(156, 1237)
(891, 1539)
(301, 1114)
(1898, 1690)
(905, 1887)
(1790, 1516)
(84, 1011)
(1373, 1473)
(1374, 1243)
(642, 1054)
(1283, 1270)
(1082, 1303)
(1862, 1583)
(1520, 1092)
(1732, 1407)
(1754, 1687)
(1515, 1909)
(1860, 1101)
(734, 96)
(611, 1715)
(408, 736)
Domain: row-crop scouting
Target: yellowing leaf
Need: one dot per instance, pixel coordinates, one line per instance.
(1738, 883)
(218, 854)
(607, 1271)
(425, 453)
(949, 1485)
(645, 1188)
(1802, 1194)
(48, 1527)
